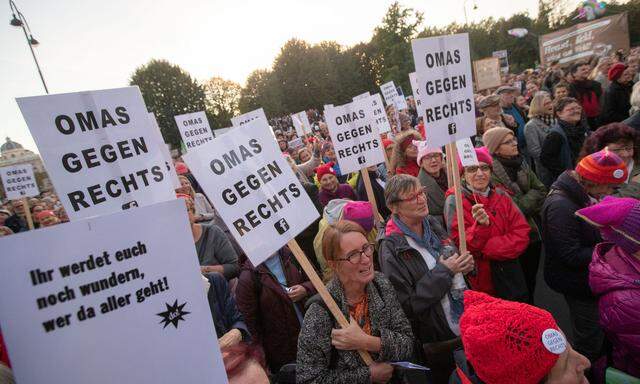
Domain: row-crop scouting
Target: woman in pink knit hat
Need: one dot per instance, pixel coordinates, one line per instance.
(432, 176)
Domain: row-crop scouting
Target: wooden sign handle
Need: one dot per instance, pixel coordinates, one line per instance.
(322, 290)
(453, 159)
(449, 170)
(364, 173)
(27, 213)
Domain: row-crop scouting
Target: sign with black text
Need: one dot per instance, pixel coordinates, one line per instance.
(166, 154)
(355, 135)
(301, 123)
(113, 299)
(99, 150)
(194, 129)
(466, 152)
(19, 181)
(248, 117)
(415, 89)
(253, 188)
(443, 69)
(379, 114)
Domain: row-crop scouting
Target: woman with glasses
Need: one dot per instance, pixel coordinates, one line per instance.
(624, 142)
(512, 174)
(328, 353)
(496, 231)
(426, 272)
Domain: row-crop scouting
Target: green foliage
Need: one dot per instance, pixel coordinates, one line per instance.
(168, 90)
(222, 100)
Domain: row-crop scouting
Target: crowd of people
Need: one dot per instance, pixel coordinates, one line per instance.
(556, 188)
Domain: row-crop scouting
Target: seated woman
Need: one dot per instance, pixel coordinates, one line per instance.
(329, 354)
(624, 142)
(330, 188)
(215, 252)
(241, 361)
(509, 343)
(433, 176)
(271, 297)
(497, 232)
(403, 158)
(204, 210)
(614, 276)
(426, 273)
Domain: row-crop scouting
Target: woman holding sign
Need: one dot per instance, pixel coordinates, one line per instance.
(327, 353)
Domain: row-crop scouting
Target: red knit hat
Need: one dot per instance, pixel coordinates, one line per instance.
(509, 342)
(603, 167)
(324, 169)
(616, 71)
(181, 168)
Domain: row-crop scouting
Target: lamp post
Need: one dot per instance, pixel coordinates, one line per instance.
(464, 8)
(21, 21)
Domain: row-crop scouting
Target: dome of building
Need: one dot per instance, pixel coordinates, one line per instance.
(9, 145)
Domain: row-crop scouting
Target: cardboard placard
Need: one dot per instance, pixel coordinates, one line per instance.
(487, 73)
(503, 56)
(389, 92)
(18, 181)
(113, 299)
(245, 118)
(99, 150)
(467, 152)
(253, 188)
(194, 129)
(443, 68)
(166, 154)
(296, 143)
(355, 136)
(301, 123)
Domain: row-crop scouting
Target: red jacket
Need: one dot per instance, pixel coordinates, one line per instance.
(505, 238)
(410, 169)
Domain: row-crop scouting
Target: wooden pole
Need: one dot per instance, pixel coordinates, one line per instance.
(364, 173)
(27, 213)
(453, 158)
(449, 170)
(322, 290)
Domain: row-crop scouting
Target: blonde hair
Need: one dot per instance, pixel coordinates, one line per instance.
(635, 98)
(333, 235)
(192, 191)
(536, 108)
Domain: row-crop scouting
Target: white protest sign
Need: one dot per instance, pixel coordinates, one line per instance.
(296, 143)
(400, 101)
(466, 152)
(389, 92)
(113, 299)
(220, 131)
(301, 123)
(19, 182)
(253, 188)
(166, 154)
(415, 89)
(379, 114)
(443, 68)
(361, 96)
(245, 118)
(194, 129)
(355, 136)
(99, 150)
(328, 106)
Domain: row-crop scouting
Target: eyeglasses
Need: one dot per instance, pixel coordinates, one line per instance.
(355, 257)
(474, 168)
(422, 192)
(432, 156)
(512, 141)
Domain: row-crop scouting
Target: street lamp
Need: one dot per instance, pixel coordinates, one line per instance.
(21, 21)
(464, 8)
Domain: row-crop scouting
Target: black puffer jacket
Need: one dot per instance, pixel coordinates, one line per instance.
(568, 240)
(616, 104)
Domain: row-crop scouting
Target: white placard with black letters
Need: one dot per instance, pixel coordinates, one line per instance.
(18, 181)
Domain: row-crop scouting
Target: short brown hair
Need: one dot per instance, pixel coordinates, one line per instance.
(333, 235)
(562, 102)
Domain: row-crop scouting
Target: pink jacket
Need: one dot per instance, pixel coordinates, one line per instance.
(614, 277)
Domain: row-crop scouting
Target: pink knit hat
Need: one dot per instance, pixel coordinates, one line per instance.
(360, 212)
(424, 151)
(618, 219)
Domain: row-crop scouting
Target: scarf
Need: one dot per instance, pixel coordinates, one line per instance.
(442, 181)
(547, 119)
(576, 135)
(511, 166)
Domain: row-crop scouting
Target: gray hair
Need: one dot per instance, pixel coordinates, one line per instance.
(635, 98)
(397, 185)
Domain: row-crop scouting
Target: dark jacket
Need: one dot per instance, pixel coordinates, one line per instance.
(419, 289)
(269, 312)
(378, 193)
(588, 93)
(223, 308)
(561, 147)
(616, 104)
(16, 223)
(319, 362)
(568, 241)
(214, 248)
(634, 121)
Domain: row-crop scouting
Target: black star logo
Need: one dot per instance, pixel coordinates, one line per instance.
(173, 314)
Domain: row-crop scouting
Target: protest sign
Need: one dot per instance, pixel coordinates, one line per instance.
(194, 129)
(355, 136)
(487, 73)
(301, 123)
(443, 68)
(19, 181)
(164, 149)
(413, 79)
(99, 150)
(220, 131)
(245, 118)
(600, 37)
(379, 114)
(467, 152)
(253, 188)
(389, 92)
(503, 56)
(296, 143)
(400, 101)
(113, 299)
(361, 96)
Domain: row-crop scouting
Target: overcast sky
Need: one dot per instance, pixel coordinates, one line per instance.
(91, 44)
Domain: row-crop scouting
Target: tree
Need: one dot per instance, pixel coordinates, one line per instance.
(222, 100)
(168, 90)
